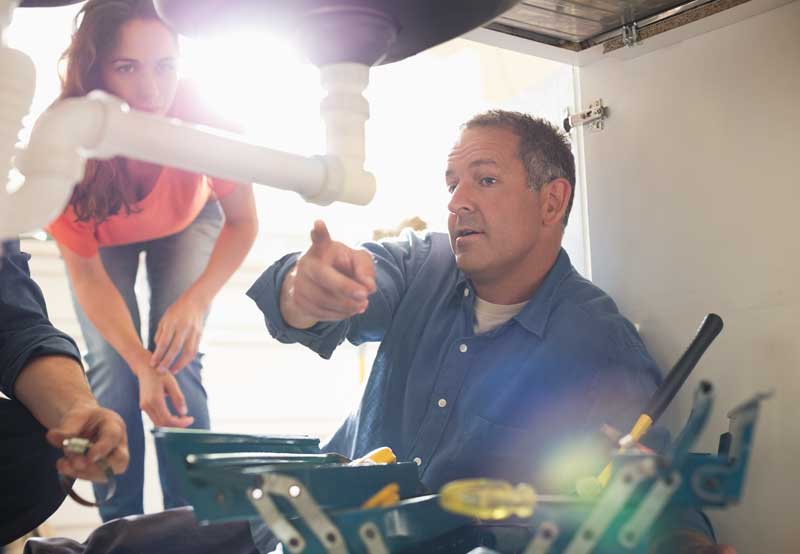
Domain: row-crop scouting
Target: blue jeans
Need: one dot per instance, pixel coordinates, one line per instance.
(173, 263)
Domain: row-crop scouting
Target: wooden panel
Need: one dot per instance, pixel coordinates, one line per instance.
(580, 21)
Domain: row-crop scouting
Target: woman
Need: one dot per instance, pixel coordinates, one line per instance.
(124, 208)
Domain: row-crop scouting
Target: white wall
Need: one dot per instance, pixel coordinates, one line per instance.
(692, 192)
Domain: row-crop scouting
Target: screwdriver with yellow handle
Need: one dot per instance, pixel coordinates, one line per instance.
(711, 326)
(488, 499)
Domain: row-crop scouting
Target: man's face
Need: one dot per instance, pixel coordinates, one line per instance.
(495, 217)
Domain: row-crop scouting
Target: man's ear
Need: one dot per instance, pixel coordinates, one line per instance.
(555, 197)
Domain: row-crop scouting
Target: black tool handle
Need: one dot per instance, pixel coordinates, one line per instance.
(709, 329)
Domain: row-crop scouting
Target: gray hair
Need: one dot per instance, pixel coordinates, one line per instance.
(543, 149)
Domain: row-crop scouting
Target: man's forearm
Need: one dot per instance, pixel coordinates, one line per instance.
(49, 386)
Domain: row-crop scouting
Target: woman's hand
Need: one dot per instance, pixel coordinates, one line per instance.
(179, 332)
(154, 387)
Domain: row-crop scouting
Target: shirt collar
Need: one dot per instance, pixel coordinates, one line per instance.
(535, 314)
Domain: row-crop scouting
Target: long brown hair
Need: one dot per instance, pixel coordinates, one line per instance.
(105, 188)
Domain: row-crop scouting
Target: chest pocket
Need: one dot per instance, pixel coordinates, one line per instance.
(497, 451)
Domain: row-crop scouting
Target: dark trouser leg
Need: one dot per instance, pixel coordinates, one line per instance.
(29, 485)
(170, 532)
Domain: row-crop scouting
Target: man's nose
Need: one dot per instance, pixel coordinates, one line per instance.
(461, 199)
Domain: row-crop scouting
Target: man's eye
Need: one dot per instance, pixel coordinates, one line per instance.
(451, 187)
(488, 181)
(125, 68)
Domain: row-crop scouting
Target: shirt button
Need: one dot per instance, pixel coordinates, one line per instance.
(418, 461)
(466, 291)
(462, 347)
(442, 402)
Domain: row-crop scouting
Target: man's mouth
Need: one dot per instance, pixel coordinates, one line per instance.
(465, 237)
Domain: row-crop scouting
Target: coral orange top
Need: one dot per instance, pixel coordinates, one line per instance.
(175, 201)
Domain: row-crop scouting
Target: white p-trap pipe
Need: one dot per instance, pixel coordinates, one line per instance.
(102, 126)
(208, 151)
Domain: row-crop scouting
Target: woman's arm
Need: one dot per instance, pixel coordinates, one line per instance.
(181, 326)
(105, 306)
(106, 309)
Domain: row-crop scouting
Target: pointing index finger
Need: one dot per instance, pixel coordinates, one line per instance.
(320, 237)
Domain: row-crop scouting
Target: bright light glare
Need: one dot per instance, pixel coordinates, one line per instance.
(260, 83)
(571, 460)
(42, 34)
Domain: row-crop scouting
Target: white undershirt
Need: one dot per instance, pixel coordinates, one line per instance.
(490, 316)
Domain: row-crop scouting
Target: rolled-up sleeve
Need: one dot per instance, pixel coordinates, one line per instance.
(322, 338)
(25, 330)
(396, 262)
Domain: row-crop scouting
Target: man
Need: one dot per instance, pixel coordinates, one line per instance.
(497, 359)
(48, 401)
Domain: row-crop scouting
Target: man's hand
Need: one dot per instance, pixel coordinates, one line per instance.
(330, 282)
(102, 427)
(179, 331)
(154, 387)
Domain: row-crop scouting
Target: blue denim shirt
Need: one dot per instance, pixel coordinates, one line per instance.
(523, 402)
(25, 331)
